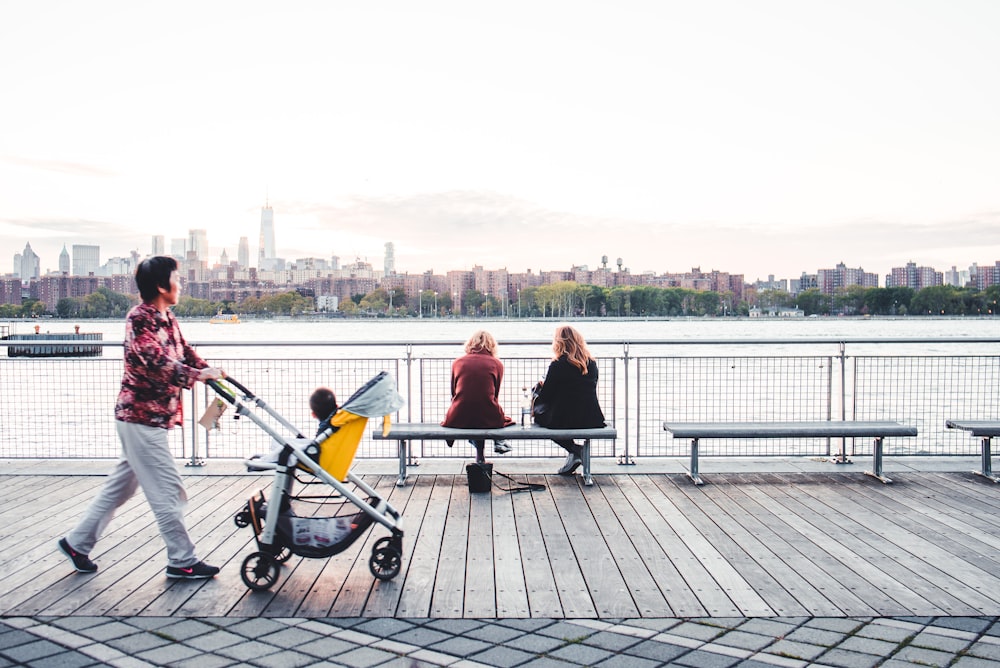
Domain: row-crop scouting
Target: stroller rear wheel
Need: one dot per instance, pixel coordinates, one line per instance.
(260, 571)
(386, 559)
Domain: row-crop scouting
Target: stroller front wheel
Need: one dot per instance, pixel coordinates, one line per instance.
(260, 571)
(385, 562)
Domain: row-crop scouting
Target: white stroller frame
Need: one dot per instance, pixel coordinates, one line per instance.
(260, 569)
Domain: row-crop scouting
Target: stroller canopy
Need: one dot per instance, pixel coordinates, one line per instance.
(376, 398)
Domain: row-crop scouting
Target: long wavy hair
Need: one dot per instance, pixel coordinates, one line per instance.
(481, 342)
(570, 342)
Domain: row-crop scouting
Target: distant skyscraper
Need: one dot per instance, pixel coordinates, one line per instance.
(159, 245)
(86, 259)
(243, 253)
(178, 248)
(266, 252)
(198, 242)
(30, 264)
(390, 259)
(64, 261)
(224, 259)
(17, 265)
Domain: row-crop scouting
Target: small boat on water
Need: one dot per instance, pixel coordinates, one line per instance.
(221, 318)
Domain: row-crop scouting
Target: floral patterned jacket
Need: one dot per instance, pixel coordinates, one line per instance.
(158, 365)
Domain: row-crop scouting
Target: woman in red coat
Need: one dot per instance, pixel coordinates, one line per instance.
(475, 387)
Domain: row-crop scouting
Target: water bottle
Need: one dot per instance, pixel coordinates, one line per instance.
(525, 408)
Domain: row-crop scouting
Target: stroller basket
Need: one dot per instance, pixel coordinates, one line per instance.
(310, 537)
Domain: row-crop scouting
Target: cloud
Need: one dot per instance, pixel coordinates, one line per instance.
(60, 166)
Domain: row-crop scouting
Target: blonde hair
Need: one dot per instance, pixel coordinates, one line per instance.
(481, 342)
(570, 342)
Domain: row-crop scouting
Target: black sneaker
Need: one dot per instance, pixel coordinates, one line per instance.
(198, 571)
(81, 562)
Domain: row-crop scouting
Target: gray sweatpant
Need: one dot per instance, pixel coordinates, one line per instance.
(146, 461)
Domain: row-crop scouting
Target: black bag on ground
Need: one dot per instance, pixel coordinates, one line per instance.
(480, 477)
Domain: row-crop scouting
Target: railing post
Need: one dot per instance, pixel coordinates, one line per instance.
(409, 402)
(842, 458)
(193, 412)
(624, 459)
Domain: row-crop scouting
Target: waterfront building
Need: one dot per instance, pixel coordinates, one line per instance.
(912, 276)
(86, 259)
(829, 281)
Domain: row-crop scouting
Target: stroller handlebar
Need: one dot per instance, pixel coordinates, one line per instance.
(225, 393)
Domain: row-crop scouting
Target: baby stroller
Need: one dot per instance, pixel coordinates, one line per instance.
(279, 532)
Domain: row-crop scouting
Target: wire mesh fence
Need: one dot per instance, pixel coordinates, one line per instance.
(64, 408)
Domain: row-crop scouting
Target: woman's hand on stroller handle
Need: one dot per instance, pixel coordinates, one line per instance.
(211, 373)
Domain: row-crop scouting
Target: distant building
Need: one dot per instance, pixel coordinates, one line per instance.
(829, 281)
(243, 253)
(912, 276)
(86, 259)
(390, 258)
(198, 243)
(64, 261)
(266, 253)
(29, 265)
(159, 245)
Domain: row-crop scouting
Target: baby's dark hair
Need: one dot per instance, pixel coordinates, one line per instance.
(323, 403)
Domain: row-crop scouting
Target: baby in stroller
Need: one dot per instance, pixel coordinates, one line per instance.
(321, 402)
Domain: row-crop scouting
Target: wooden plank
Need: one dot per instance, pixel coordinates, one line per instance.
(747, 601)
(508, 567)
(570, 582)
(596, 561)
(448, 599)
(132, 544)
(480, 585)
(418, 587)
(209, 521)
(384, 598)
(357, 582)
(715, 525)
(868, 562)
(926, 516)
(785, 590)
(936, 575)
(539, 580)
(670, 561)
(622, 532)
(814, 544)
(819, 591)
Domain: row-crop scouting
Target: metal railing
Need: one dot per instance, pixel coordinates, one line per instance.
(63, 408)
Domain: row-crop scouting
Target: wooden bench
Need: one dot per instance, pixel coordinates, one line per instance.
(819, 429)
(429, 431)
(985, 429)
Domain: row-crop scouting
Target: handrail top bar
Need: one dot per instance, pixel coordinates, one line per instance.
(526, 342)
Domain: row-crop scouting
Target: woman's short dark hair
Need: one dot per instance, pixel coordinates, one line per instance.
(152, 273)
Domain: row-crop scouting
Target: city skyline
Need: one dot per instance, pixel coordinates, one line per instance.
(772, 137)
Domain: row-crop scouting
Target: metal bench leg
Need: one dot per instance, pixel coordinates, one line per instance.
(693, 472)
(877, 462)
(402, 464)
(587, 480)
(987, 461)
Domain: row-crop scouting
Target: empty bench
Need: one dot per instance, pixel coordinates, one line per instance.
(818, 429)
(429, 431)
(986, 430)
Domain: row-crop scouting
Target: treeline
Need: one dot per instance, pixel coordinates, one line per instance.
(558, 300)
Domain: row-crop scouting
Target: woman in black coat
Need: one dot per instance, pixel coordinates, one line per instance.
(569, 392)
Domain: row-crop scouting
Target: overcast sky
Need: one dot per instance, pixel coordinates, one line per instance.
(756, 137)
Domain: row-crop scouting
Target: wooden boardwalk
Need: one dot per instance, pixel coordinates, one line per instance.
(640, 545)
